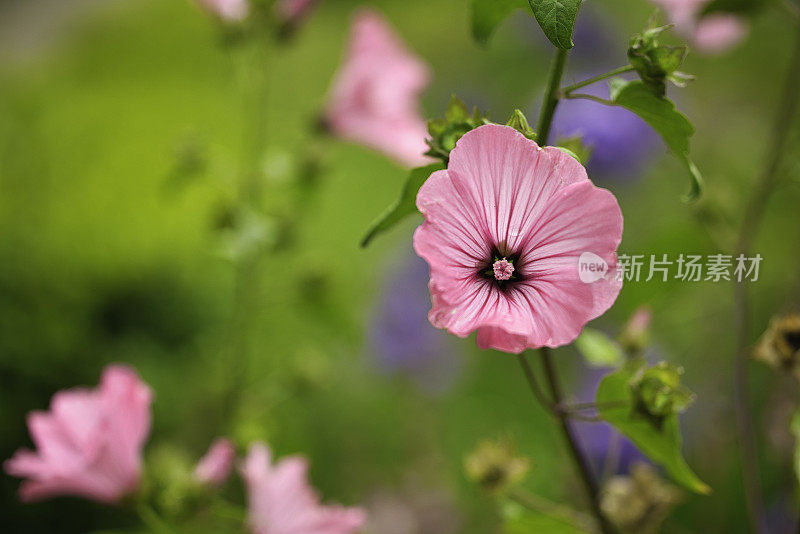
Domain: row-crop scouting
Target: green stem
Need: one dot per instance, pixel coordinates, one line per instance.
(582, 466)
(570, 88)
(551, 97)
(581, 96)
(754, 212)
(152, 521)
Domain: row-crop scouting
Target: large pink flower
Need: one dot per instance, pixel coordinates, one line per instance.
(711, 34)
(281, 501)
(90, 442)
(505, 227)
(375, 95)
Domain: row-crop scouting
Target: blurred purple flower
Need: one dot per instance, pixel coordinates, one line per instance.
(400, 337)
(600, 441)
(622, 143)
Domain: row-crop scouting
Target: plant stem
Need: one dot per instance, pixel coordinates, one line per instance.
(551, 97)
(754, 212)
(621, 70)
(582, 96)
(589, 484)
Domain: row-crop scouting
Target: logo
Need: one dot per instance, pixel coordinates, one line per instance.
(591, 267)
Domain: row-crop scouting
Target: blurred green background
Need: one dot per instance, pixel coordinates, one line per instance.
(121, 132)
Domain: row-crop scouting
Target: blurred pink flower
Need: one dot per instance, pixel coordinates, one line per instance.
(294, 11)
(503, 200)
(281, 501)
(375, 95)
(711, 34)
(216, 464)
(226, 10)
(90, 442)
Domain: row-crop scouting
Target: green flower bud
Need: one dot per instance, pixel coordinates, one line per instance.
(658, 391)
(445, 132)
(494, 466)
(655, 63)
(519, 122)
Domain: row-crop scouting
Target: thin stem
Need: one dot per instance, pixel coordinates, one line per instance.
(582, 96)
(539, 504)
(570, 88)
(589, 484)
(551, 97)
(549, 405)
(754, 212)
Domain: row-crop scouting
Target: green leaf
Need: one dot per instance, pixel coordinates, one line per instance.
(660, 113)
(598, 349)
(488, 14)
(575, 147)
(661, 443)
(557, 20)
(405, 205)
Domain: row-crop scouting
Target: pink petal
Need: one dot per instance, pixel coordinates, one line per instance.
(374, 99)
(216, 464)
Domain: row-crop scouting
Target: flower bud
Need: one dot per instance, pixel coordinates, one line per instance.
(779, 347)
(658, 391)
(216, 464)
(445, 132)
(635, 335)
(495, 466)
(639, 502)
(654, 62)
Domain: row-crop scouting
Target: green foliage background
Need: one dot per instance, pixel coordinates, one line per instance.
(108, 253)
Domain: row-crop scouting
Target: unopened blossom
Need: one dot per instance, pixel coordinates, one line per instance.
(779, 346)
(374, 99)
(216, 464)
(226, 10)
(281, 500)
(504, 200)
(90, 442)
(712, 33)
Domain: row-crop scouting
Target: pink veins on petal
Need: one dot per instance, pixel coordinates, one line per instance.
(505, 226)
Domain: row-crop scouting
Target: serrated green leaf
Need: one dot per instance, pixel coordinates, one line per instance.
(598, 349)
(660, 113)
(557, 20)
(488, 14)
(405, 205)
(661, 443)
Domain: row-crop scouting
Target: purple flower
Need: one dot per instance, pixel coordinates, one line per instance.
(401, 338)
(622, 143)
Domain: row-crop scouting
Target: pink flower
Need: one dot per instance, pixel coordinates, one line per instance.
(294, 11)
(281, 501)
(216, 464)
(90, 442)
(503, 200)
(375, 95)
(711, 34)
(226, 10)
